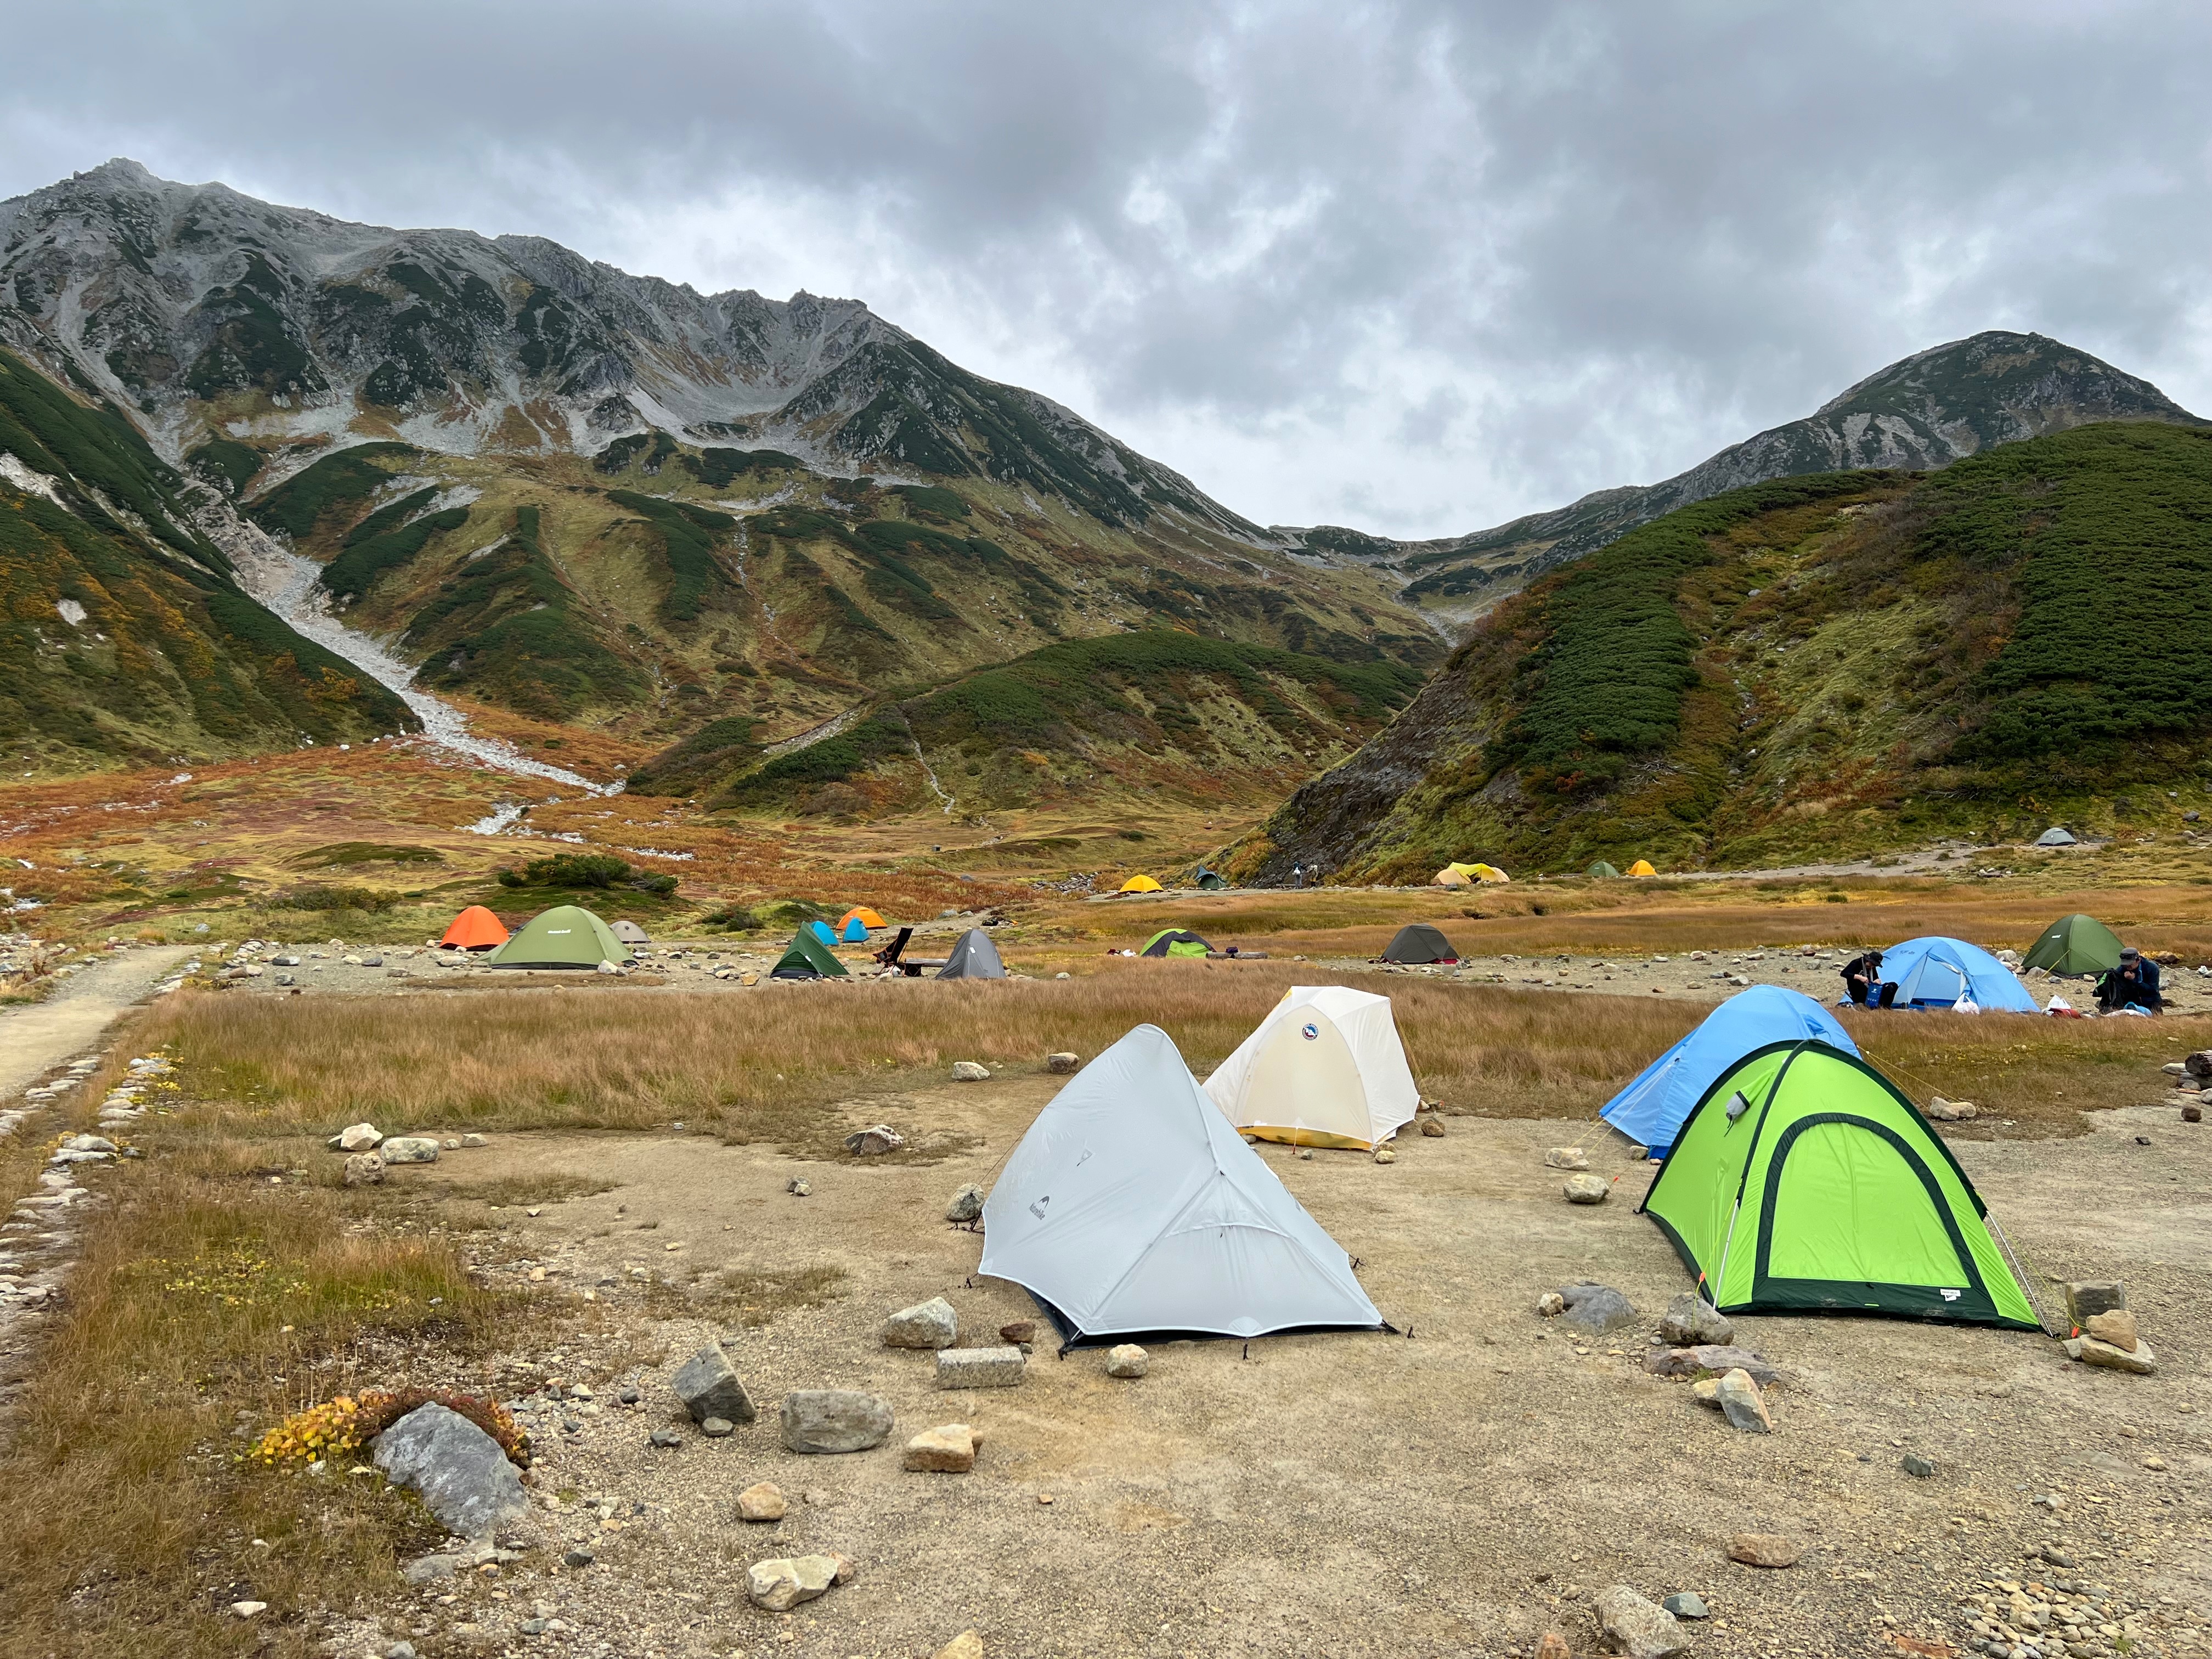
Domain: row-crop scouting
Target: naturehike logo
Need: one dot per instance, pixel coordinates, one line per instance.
(1950, 1296)
(1310, 1033)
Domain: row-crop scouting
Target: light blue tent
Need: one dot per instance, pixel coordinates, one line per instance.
(822, 931)
(1934, 972)
(1652, 1108)
(854, 933)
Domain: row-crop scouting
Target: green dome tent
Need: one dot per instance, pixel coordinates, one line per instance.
(1803, 1181)
(2074, 944)
(567, 936)
(1210, 881)
(1601, 868)
(1418, 942)
(807, 957)
(1174, 942)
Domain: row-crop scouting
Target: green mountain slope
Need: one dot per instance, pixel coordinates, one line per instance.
(663, 586)
(1815, 666)
(1202, 720)
(124, 635)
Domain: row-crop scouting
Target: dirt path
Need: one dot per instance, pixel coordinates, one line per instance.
(37, 1037)
(1455, 1494)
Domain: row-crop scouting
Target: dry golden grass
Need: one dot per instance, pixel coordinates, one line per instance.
(200, 1297)
(1642, 918)
(775, 1064)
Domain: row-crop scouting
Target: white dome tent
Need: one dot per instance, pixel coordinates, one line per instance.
(1132, 1208)
(1325, 1068)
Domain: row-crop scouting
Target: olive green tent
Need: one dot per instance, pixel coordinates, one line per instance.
(1174, 942)
(567, 936)
(2075, 945)
(1802, 1181)
(807, 957)
(1601, 868)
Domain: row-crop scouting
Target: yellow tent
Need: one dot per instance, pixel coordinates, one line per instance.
(1141, 884)
(1642, 867)
(868, 918)
(1450, 875)
(1490, 873)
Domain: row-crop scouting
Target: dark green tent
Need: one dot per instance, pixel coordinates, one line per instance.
(1211, 881)
(2075, 945)
(1419, 942)
(567, 936)
(1174, 942)
(1804, 1182)
(1601, 868)
(807, 957)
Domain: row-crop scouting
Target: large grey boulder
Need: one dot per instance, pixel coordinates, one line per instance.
(708, 1385)
(409, 1149)
(1595, 1310)
(967, 1204)
(1640, 1629)
(931, 1324)
(456, 1468)
(1743, 1404)
(1711, 1359)
(1691, 1320)
(827, 1420)
(981, 1368)
(781, 1582)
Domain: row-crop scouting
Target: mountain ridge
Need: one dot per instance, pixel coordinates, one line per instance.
(1928, 409)
(216, 316)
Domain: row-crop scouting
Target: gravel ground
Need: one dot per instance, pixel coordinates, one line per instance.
(1459, 1490)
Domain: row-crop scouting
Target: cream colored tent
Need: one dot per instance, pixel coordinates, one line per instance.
(1450, 875)
(1325, 1068)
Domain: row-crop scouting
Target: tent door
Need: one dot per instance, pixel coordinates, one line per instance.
(1844, 1191)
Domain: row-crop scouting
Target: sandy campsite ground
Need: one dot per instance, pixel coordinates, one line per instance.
(1459, 1491)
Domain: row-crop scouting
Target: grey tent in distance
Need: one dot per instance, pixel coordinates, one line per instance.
(1419, 942)
(630, 933)
(2054, 836)
(974, 958)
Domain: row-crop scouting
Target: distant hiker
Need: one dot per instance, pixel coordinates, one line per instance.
(2133, 984)
(1298, 875)
(1863, 981)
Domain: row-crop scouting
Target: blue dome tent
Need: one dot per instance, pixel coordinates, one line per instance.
(1934, 972)
(854, 933)
(822, 931)
(1651, 1109)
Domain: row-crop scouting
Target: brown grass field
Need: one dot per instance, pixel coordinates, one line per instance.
(770, 1065)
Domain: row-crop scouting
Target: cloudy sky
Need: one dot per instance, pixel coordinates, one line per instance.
(1413, 268)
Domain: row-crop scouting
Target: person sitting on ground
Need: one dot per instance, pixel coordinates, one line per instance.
(2133, 984)
(1862, 981)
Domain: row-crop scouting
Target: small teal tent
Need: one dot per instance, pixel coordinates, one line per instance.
(1934, 972)
(822, 931)
(1652, 1108)
(854, 933)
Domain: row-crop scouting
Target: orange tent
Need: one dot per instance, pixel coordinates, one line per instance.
(475, 929)
(868, 918)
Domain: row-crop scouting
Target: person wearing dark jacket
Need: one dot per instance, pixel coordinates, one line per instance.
(1863, 979)
(2133, 984)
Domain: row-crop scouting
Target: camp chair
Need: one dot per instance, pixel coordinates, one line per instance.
(889, 955)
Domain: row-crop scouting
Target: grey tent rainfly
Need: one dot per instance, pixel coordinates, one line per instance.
(1132, 1208)
(1418, 942)
(974, 958)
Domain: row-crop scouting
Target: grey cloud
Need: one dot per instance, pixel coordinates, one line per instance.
(1436, 263)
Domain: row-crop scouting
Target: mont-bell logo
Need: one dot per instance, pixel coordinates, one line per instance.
(1310, 1031)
